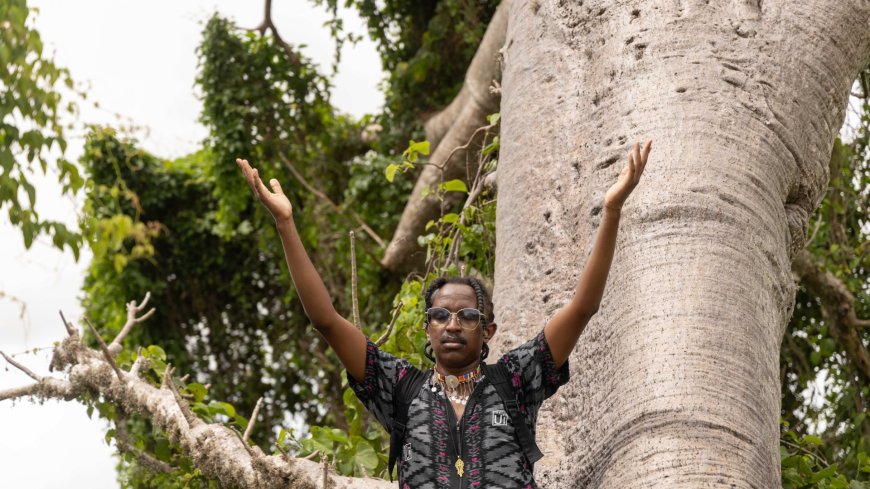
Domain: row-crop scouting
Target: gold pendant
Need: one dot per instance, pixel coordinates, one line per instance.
(460, 466)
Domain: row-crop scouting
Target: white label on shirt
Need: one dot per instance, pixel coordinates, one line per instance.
(499, 418)
(406, 452)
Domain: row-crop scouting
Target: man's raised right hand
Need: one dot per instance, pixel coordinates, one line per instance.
(275, 200)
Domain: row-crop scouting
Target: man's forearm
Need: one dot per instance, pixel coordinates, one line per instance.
(590, 287)
(312, 292)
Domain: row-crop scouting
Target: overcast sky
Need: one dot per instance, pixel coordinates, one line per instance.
(138, 59)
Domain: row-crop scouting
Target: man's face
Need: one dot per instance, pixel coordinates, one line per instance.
(456, 349)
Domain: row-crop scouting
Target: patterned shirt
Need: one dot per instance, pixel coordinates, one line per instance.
(485, 436)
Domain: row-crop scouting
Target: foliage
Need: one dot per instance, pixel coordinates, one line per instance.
(825, 396)
(31, 130)
(425, 49)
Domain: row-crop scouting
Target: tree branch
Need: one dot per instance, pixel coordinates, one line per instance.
(21, 367)
(212, 447)
(838, 308)
(268, 25)
(455, 131)
(383, 339)
(252, 420)
(104, 349)
(132, 310)
(353, 282)
(377, 239)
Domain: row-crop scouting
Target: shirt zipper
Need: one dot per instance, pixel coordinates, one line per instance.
(461, 423)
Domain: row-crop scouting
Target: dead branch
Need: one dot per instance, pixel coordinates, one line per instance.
(105, 349)
(252, 420)
(383, 339)
(21, 367)
(353, 282)
(132, 320)
(268, 25)
(191, 418)
(70, 329)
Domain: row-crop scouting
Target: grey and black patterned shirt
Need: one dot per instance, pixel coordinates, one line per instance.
(493, 458)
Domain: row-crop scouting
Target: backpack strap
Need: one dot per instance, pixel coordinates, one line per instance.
(500, 377)
(407, 390)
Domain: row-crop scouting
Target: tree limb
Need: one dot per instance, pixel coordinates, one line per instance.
(449, 130)
(372, 234)
(212, 447)
(132, 320)
(838, 308)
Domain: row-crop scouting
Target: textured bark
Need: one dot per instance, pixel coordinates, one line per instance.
(676, 378)
(449, 129)
(215, 449)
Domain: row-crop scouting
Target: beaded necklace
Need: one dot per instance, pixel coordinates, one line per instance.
(458, 387)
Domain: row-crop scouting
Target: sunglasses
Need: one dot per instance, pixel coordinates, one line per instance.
(468, 318)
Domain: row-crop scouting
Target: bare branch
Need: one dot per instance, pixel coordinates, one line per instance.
(21, 367)
(105, 350)
(244, 442)
(252, 420)
(353, 282)
(191, 418)
(838, 308)
(140, 363)
(267, 24)
(383, 339)
(368, 230)
(70, 329)
(132, 320)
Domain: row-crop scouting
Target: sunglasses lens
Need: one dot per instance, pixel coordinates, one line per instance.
(439, 315)
(469, 317)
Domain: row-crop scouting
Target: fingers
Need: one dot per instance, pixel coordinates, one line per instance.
(645, 155)
(635, 153)
(258, 184)
(276, 186)
(246, 171)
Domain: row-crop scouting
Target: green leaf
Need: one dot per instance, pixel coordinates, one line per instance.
(390, 172)
(422, 147)
(455, 185)
(825, 473)
(450, 218)
(813, 440)
(155, 351)
(197, 390)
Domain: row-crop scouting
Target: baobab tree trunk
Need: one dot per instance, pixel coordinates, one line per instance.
(675, 381)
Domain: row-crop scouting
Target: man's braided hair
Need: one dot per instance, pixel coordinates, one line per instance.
(484, 302)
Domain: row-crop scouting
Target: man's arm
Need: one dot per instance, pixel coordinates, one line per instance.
(348, 342)
(564, 328)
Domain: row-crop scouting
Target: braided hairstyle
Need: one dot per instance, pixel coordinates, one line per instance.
(484, 304)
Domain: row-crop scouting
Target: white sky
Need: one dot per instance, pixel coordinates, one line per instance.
(139, 60)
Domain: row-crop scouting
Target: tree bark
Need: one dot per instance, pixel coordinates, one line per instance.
(676, 378)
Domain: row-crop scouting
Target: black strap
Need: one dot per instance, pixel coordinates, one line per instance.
(500, 376)
(407, 390)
